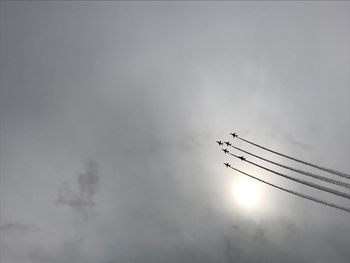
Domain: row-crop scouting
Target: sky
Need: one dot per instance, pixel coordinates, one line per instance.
(109, 113)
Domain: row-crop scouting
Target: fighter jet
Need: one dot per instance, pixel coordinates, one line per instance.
(220, 142)
(234, 134)
(242, 158)
(225, 150)
(228, 143)
(227, 164)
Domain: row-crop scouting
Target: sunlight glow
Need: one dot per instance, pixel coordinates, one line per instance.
(246, 194)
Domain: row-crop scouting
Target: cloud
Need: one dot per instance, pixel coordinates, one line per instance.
(16, 227)
(170, 80)
(291, 139)
(82, 200)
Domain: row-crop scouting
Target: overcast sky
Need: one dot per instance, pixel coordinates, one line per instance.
(109, 116)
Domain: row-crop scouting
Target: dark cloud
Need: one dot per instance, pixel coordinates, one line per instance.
(81, 200)
(19, 228)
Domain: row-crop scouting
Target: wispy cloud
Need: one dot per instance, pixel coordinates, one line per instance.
(16, 227)
(80, 200)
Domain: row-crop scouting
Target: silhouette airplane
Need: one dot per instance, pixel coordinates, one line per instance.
(225, 150)
(220, 142)
(227, 164)
(242, 158)
(228, 143)
(234, 134)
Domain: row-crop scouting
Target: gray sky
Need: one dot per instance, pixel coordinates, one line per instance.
(109, 116)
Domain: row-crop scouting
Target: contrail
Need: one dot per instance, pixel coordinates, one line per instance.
(296, 193)
(320, 187)
(300, 161)
(325, 179)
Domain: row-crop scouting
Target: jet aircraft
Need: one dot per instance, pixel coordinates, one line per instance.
(242, 158)
(227, 164)
(228, 143)
(220, 142)
(225, 150)
(234, 134)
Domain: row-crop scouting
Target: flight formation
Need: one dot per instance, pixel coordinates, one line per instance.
(336, 186)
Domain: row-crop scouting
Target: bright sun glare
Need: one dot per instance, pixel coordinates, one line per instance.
(246, 194)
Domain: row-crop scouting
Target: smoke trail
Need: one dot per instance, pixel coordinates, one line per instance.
(296, 193)
(325, 179)
(300, 161)
(320, 187)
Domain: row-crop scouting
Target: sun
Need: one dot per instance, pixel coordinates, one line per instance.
(246, 193)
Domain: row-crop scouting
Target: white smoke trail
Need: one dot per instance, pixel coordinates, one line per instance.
(319, 187)
(341, 174)
(319, 177)
(296, 193)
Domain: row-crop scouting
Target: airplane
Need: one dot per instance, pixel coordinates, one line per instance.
(228, 143)
(234, 134)
(220, 142)
(242, 158)
(225, 150)
(227, 164)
